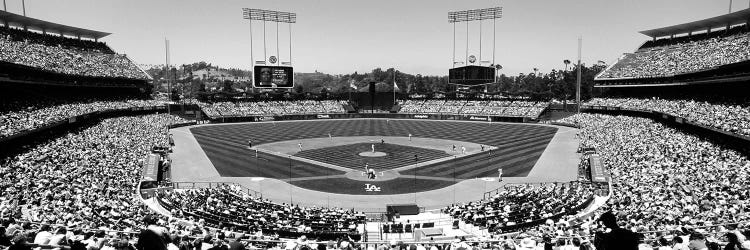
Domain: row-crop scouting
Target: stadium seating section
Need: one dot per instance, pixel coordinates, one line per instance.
(685, 55)
(228, 206)
(85, 179)
(664, 179)
(517, 205)
(731, 117)
(463, 107)
(24, 114)
(64, 55)
(271, 108)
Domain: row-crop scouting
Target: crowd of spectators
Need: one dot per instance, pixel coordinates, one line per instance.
(666, 182)
(62, 55)
(271, 108)
(669, 185)
(78, 191)
(85, 179)
(56, 40)
(227, 205)
(683, 56)
(730, 117)
(22, 114)
(463, 107)
(517, 204)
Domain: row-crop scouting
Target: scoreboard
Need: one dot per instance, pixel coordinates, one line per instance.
(471, 75)
(273, 77)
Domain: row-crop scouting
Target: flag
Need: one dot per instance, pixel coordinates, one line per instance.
(395, 87)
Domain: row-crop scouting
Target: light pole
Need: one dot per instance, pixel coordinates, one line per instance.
(489, 159)
(416, 165)
(291, 198)
(454, 179)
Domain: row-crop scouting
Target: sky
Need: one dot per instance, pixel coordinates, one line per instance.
(344, 36)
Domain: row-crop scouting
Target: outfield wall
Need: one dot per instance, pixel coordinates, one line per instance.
(229, 119)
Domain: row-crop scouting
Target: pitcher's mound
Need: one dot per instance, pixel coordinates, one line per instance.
(372, 154)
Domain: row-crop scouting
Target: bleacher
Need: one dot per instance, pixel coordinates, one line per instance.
(465, 107)
(521, 206)
(227, 206)
(272, 108)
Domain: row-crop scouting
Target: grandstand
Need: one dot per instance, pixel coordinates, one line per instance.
(706, 51)
(527, 109)
(33, 50)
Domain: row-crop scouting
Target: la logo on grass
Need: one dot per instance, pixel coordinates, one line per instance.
(371, 188)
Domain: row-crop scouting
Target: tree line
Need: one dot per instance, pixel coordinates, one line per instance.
(557, 84)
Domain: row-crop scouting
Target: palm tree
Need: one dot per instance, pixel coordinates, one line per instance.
(566, 62)
(497, 68)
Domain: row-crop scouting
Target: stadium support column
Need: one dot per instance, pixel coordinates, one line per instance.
(578, 80)
(453, 63)
(466, 57)
(265, 56)
(494, 24)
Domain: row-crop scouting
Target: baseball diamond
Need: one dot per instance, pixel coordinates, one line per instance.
(303, 155)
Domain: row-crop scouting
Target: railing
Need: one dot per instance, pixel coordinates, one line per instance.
(197, 185)
(218, 116)
(183, 124)
(443, 218)
(565, 124)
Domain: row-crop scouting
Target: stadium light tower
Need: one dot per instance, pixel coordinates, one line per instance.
(469, 16)
(277, 73)
(166, 77)
(474, 74)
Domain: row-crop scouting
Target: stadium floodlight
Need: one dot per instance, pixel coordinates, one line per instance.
(269, 15)
(280, 75)
(475, 15)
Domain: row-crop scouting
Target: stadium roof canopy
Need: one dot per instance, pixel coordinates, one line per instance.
(734, 18)
(12, 19)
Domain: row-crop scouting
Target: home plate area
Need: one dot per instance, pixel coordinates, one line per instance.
(395, 166)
